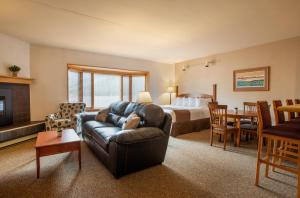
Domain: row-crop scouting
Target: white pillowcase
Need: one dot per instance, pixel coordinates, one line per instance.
(185, 102)
(192, 102)
(179, 101)
(201, 102)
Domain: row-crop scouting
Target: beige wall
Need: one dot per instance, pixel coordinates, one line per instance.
(49, 69)
(14, 52)
(282, 56)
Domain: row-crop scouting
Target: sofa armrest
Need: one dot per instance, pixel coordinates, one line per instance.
(137, 135)
(87, 116)
(167, 124)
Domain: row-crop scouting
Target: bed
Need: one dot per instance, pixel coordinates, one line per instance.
(189, 114)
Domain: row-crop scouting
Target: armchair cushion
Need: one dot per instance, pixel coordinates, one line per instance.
(62, 123)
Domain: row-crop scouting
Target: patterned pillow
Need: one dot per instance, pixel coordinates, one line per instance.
(102, 115)
(132, 121)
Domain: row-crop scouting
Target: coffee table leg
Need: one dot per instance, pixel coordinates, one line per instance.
(37, 163)
(79, 156)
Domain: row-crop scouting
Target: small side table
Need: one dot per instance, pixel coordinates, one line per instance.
(49, 143)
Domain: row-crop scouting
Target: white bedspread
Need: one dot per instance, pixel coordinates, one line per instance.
(195, 112)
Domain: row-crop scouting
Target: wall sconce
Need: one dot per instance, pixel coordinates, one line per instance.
(204, 64)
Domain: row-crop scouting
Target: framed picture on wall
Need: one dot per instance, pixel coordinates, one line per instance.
(254, 79)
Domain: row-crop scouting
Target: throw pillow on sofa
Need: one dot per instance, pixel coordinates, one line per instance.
(102, 115)
(132, 121)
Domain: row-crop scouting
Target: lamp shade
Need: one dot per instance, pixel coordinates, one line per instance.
(171, 89)
(144, 97)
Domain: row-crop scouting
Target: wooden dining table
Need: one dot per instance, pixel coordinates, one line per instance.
(290, 108)
(237, 116)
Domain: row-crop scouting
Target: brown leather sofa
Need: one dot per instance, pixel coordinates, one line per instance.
(123, 152)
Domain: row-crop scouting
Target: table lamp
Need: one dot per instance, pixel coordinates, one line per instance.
(171, 90)
(144, 97)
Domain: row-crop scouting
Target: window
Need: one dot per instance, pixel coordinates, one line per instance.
(73, 82)
(87, 88)
(138, 85)
(98, 87)
(107, 89)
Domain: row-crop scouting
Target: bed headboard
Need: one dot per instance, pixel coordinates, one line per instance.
(213, 97)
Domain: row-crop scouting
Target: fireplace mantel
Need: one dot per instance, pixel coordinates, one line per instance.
(15, 80)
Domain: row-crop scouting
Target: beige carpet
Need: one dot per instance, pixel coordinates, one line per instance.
(192, 169)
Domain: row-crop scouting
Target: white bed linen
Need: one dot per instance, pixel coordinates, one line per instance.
(195, 112)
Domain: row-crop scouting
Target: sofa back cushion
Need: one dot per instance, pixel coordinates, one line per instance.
(118, 108)
(133, 107)
(151, 115)
(113, 119)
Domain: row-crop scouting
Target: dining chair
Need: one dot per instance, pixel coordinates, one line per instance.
(279, 115)
(297, 101)
(218, 123)
(291, 115)
(276, 156)
(249, 126)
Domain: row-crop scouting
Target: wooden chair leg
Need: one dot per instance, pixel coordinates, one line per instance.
(225, 140)
(260, 141)
(274, 159)
(282, 152)
(211, 137)
(268, 157)
(298, 189)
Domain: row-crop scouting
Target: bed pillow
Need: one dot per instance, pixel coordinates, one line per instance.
(202, 102)
(185, 102)
(179, 102)
(192, 102)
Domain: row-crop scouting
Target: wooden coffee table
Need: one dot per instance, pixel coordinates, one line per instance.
(49, 143)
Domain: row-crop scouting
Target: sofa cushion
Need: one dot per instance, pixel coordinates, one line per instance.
(113, 119)
(132, 121)
(121, 121)
(118, 108)
(102, 115)
(90, 125)
(133, 107)
(103, 134)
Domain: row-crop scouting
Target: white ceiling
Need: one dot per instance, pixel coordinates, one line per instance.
(160, 30)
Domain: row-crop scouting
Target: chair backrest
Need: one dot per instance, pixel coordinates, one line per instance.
(218, 115)
(279, 115)
(67, 110)
(292, 115)
(249, 106)
(264, 115)
(297, 101)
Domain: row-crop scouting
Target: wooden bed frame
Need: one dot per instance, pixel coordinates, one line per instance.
(179, 128)
(213, 96)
